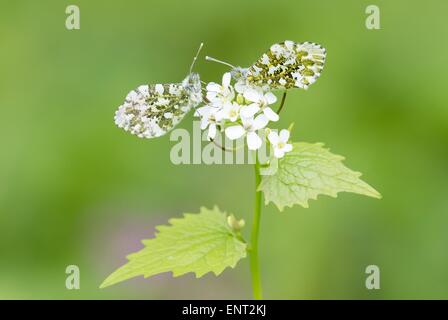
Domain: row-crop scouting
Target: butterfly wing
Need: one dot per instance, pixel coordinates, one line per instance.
(152, 110)
(288, 65)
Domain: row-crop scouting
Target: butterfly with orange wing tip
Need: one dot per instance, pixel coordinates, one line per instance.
(151, 111)
(285, 65)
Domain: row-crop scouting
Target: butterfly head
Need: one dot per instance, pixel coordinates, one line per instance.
(239, 73)
(192, 84)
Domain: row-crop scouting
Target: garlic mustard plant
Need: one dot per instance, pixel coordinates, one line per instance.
(243, 105)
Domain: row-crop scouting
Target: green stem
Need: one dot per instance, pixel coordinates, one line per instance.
(254, 263)
(282, 103)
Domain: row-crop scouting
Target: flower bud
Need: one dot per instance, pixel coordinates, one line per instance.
(240, 99)
(234, 223)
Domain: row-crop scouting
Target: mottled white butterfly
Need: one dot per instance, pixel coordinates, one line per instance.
(151, 111)
(285, 65)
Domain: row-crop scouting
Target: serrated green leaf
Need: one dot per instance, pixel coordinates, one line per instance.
(307, 171)
(199, 243)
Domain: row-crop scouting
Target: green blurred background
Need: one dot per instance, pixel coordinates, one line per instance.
(77, 190)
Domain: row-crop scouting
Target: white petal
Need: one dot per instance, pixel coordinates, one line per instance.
(201, 111)
(235, 132)
(260, 122)
(247, 122)
(249, 111)
(211, 131)
(252, 95)
(273, 137)
(214, 87)
(219, 115)
(204, 123)
(211, 96)
(253, 141)
(240, 86)
(226, 79)
(287, 147)
(279, 153)
(284, 135)
(270, 114)
(270, 97)
(226, 106)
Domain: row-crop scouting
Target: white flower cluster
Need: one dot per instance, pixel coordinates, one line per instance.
(240, 110)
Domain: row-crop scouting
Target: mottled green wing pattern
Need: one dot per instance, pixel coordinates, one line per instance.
(152, 110)
(288, 65)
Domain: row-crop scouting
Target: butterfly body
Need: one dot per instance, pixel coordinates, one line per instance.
(285, 65)
(151, 111)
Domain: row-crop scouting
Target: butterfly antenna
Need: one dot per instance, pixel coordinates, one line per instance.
(196, 56)
(219, 61)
